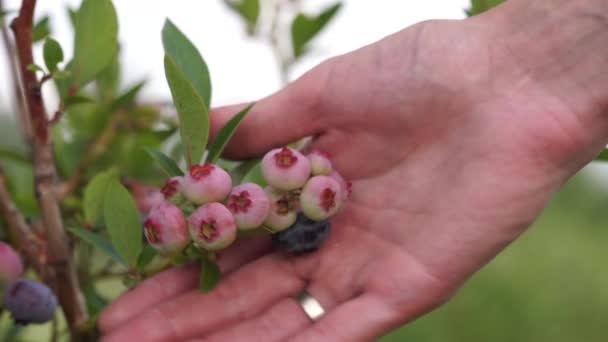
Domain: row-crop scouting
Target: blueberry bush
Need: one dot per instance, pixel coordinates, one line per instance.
(107, 186)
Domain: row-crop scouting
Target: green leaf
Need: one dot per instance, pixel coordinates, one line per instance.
(93, 196)
(480, 6)
(72, 13)
(108, 80)
(146, 119)
(95, 301)
(168, 165)
(603, 156)
(41, 30)
(126, 152)
(148, 253)
(122, 221)
(62, 75)
(98, 242)
(96, 40)
(7, 152)
(188, 60)
(249, 10)
(53, 54)
(255, 176)
(155, 264)
(242, 170)
(225, 134)
(35, 68)
(304, 27)
(179, 259)
(76, 99)
(192, 112)
(210, 275)
(127, 98)
(13, 332)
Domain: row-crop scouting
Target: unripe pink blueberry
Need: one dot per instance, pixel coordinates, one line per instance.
(321, 198)
(285, 169)
(320, 163)
(172, 189)
(345, 186)
(212, 227)
(146, 197)
(249, 204)
(206, 183)
(166, 229)
(11, 265)
(283, 210)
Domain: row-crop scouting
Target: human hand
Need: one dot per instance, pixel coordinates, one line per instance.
(454, 142)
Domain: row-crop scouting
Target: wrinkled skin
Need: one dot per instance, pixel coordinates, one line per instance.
(454, 141)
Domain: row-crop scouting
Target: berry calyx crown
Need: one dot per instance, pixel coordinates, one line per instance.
(285, 158)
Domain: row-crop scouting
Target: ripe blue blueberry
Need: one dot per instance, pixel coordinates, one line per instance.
(29, 301)
(304, 236)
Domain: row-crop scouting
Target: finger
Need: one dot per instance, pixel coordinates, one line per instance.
(279, 322)
(364, 318)
(175, 281)
(284, 117)
(383, 302)
(287, 317)
(332, 284)
(164, 285)
(276, 324)
(242, 295)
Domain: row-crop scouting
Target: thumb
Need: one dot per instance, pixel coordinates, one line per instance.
(293, 112)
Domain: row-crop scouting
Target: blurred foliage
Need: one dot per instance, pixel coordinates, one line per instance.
(41, 29)
(249, 10)
(479, 6)
(603, 156)
(287, 29)
(14, 157)
(306, 27)
(102, 126)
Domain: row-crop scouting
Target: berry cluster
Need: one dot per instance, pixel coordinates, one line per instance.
(303, 192)
(27, 300)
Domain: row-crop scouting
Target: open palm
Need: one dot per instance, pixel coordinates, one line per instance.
(449, 163)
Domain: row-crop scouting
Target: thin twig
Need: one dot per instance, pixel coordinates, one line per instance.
(55, 329)
(58, 115)
(96, 149)
(111, 275)
(65, 280)
(45, 78)
(105, 269)
(284, 61)
(22, 234)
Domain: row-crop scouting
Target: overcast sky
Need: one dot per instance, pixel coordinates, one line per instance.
(241, 68)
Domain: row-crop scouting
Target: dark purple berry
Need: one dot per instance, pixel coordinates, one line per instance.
(29, 301)
(304, 236)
